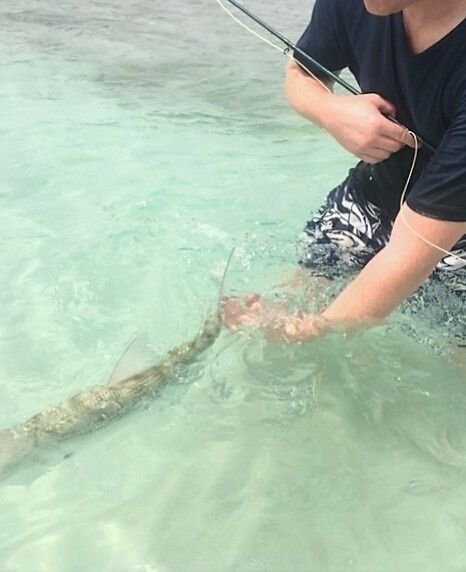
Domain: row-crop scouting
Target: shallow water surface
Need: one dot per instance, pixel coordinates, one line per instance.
(140, 142)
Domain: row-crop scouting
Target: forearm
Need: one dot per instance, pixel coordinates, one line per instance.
(396, 271)
(378, 289)
(307, 96)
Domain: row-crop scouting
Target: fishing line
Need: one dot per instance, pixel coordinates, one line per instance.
(291, 47)
(285, 51)
(288, 51)
(253, 32)
(460, 259)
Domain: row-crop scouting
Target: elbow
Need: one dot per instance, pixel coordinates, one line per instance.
(413, 265)
(290, 79)
(293, 84)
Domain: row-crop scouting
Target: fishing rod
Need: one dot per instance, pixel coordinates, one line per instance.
(291, 47)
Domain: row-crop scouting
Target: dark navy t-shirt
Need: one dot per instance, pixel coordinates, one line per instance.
(427, 89)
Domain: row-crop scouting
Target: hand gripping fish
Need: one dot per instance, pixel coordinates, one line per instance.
(97, 407)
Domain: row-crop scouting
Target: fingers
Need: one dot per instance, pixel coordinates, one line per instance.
(298, 328)
(368, 159)
(411, 140)
(368, 129)
(390, 145)
(251, 299)
(382, 104)
(231, 311)
(384, 139)
(276, 323)
(383, 150)
(390, 129)
(250, 313)
(375, 156)
(398, 134)
(386, 146)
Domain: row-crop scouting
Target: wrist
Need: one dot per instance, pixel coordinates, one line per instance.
(312, 101)
(300, 327)
(330, 116)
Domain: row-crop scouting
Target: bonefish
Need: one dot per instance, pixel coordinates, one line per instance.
(97, 407)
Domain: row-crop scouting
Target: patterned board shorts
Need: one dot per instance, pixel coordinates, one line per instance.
(347, 231)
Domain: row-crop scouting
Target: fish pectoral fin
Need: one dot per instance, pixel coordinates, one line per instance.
(137, 357)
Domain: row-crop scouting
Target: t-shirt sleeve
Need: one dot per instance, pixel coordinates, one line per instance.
(322, 39)
(440, 191)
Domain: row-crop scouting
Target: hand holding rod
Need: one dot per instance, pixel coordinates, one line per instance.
(316, 65)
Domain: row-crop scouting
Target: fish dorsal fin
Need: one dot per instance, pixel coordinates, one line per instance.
(137, 357)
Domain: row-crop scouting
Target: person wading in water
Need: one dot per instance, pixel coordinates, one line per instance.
(409, 58)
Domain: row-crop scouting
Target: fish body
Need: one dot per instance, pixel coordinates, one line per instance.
(97, 407)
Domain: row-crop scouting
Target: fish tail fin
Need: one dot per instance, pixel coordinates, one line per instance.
(222, 282)
(213, 324)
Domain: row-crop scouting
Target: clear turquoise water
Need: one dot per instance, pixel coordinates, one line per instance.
(139, 142)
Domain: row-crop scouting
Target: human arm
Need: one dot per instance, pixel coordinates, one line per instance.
(435, 211)
(390, 277)
(396, 271)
